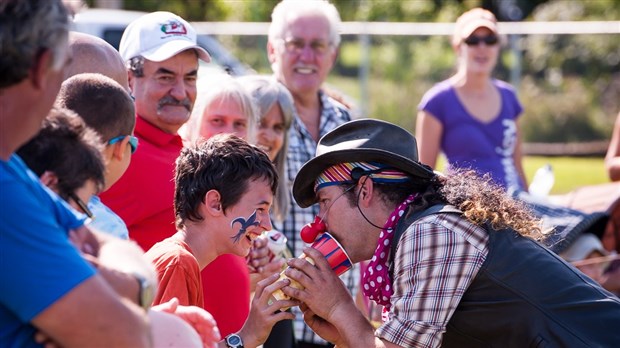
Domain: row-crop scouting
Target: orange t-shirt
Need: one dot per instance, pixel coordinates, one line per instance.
(177, 272)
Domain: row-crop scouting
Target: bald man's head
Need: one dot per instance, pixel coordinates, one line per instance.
(91, 54)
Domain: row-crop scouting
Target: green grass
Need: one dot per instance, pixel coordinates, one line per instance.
(570, 172)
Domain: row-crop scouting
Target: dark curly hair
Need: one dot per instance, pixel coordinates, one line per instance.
(480, 200)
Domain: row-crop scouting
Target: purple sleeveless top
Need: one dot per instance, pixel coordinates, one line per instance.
(469, 143)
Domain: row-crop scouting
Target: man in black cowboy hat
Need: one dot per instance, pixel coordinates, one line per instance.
(446, 255)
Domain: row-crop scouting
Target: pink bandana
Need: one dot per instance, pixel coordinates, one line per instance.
(377, 284)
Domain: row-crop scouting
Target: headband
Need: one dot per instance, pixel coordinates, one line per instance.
(348, 173)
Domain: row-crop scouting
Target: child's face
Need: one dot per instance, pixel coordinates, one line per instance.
(249, 218)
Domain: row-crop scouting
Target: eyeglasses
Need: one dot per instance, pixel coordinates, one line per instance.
(296, 46)
(133, 141)
(488, 40)
(82, 205)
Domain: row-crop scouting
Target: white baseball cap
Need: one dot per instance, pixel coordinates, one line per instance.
(158, 36)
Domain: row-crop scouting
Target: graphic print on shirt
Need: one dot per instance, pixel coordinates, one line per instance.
(506, 151)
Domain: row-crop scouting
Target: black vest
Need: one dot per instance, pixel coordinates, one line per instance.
(526, 296)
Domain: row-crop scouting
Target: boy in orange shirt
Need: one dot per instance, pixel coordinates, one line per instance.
(224, 189)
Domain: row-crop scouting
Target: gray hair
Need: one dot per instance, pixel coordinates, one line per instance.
(28, 27)
(266, 91)
(288, 9)
(135, 65)
(224, 90)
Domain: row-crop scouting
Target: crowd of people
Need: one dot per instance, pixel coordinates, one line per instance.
(136, 199)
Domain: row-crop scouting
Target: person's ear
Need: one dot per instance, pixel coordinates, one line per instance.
(213, 203)
(130, 81)
(335, 55)
(120, 148)
(271, 52)
(49, 179)
(366, 189)
(41, 67)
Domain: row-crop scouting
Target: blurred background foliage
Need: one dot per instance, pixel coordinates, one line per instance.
(569, 84)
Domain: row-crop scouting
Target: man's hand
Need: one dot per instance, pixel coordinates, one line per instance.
(201, 320)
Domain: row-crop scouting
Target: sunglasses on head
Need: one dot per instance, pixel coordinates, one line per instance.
(133, 141)
(489, 40)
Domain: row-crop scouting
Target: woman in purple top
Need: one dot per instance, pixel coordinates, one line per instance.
(471, 117)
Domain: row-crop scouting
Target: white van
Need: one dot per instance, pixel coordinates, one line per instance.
(109, 25)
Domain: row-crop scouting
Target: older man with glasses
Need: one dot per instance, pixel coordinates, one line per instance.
(302, 48)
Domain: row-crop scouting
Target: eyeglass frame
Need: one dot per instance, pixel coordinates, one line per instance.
(83, 206)
(297, 48)
(133, 141)
(475, 40)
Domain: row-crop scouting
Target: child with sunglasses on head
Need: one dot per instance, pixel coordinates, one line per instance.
(106, 107)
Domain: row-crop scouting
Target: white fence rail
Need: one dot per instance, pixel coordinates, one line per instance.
(420, 29)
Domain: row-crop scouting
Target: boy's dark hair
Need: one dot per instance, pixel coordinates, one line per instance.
(225, 163)
(104, 105)
(69, 149)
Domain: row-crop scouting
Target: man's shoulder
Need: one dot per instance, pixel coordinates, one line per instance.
(334, 110)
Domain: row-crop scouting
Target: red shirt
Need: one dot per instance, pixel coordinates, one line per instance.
(226, 286)
(144, 195)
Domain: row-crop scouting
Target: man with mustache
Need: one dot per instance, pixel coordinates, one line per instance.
(302, 48)
(161, 55)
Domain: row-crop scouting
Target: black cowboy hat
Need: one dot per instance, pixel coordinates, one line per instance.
(363, 140)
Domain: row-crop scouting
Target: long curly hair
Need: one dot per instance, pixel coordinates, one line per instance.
(480, 200)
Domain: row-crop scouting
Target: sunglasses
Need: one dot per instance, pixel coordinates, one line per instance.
(133, 141)
(82, 205)
(488, 40)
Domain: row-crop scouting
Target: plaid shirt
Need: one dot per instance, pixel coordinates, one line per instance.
(436, 260)
(302, 148)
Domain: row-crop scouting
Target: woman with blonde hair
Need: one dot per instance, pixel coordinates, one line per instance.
(222, 106)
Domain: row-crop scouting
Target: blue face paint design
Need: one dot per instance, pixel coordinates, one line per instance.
(245, 224)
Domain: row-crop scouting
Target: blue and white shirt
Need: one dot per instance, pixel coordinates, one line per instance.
(302, 148)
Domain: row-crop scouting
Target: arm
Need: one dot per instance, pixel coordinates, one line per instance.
(116, 261)
(518, 158)
(428, 133)
(92, 314)
(612, 159)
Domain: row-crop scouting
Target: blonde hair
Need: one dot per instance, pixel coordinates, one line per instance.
(223, 90)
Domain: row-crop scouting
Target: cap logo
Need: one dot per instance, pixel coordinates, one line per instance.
(173, 27)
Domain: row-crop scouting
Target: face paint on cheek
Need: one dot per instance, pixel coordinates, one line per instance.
(245, 224)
